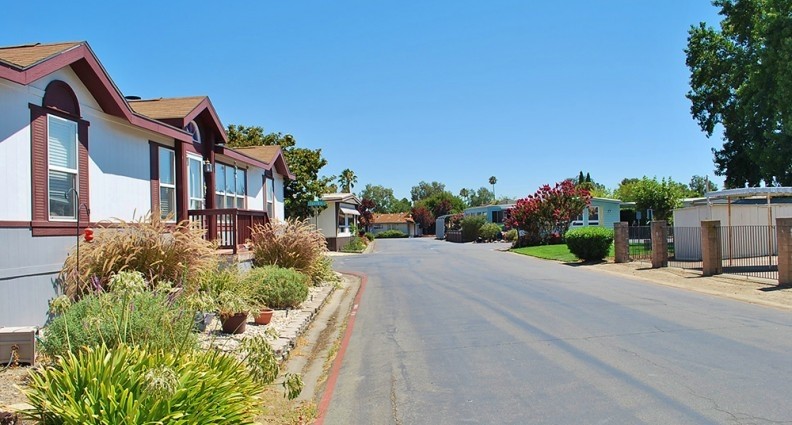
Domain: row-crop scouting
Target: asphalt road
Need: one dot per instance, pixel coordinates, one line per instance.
(456, 334)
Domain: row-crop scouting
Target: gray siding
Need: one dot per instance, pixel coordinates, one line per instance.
(28, 268)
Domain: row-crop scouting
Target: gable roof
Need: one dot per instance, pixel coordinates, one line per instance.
(341, 197)
(272, 155)
(26, 55)
(392, 218)
(164, 108)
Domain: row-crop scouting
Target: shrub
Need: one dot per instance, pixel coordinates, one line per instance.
(292, 244)
(322, 271)
(151, 319)
(225, 291)
(489, 231)
(510, 235)
(355, 244)
(589, 243)
(470, 227)
(277, 287)
(370, 236)
(392, 233)
(160, 252)
(133, 385)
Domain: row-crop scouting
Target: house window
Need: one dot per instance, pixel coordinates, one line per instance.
(593, 215)
(269, 196)
(196, 182)
(343, 223)
(192, 128)
(167, 183)
(497, 216)
(62, 168)
(230, 186)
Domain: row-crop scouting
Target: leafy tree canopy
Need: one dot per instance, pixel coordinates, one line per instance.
(740, 78)
(382, 197)
(425, 190)
(701, 185)
(482, 196)
(660, 196)
(304, 163)
(442, 203)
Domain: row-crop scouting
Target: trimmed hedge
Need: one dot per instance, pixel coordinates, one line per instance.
(393, 233)
(589, 243)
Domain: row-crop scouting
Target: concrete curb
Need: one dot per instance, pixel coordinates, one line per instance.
(287, 338)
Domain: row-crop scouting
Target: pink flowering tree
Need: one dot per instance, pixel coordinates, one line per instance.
(545, 216)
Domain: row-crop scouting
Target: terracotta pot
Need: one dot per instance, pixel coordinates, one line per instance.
(234, 324)
(264, 316)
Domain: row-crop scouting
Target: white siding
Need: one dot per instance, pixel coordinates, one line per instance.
(255, 189)
(15, 151)
(279, 197)
(328, 221)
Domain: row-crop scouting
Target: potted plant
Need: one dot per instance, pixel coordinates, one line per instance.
(233, 308)
(264, 316)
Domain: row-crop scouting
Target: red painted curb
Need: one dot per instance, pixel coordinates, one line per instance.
(332, 378)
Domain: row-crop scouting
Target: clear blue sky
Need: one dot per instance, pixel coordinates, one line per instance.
(450, 91)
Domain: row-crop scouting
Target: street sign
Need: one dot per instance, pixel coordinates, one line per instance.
(317, 203)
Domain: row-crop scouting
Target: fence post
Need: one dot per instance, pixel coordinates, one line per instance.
(621, 242)
(784, 236)
(711, 248)
(659, 244)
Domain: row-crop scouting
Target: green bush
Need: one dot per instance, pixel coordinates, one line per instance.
(292, 244)
(489, 231)
(276, 287)
(589, 243)
(355, 244)
(370, 236)
(470, 227)
(132, 385)
(510, 235)
(322, 271)
(151, 319)
(392, 233)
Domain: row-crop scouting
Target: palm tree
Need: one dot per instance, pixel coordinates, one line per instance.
(464, 193)
(492, 181)
(347, 180)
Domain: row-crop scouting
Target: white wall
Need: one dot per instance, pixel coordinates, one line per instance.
(741, 215)
(279, 197)
(328, 221)
(255, 189)
(15, 151)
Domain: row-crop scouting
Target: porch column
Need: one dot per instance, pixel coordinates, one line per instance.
(711, 248)
(659, 244)
(621, 242)
(784, 235)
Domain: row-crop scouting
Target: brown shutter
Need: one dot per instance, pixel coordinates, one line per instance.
(38, 154)
(82, 165)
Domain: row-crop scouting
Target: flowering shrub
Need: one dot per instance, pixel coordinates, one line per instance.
(548, 211)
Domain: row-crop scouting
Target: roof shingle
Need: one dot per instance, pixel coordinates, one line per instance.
(164, 108)
(28, 55)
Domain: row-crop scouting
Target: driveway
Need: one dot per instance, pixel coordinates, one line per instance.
(460, 333)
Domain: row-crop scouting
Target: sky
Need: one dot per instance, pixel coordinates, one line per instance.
(531, 92)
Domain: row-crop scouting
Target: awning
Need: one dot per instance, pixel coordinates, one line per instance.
(349, 211)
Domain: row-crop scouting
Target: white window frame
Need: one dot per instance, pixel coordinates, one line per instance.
(201, 191)
(224, 194)
(269, 196)
(75, 171)
(172, 152)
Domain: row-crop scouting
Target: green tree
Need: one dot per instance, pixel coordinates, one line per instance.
(464, 193)
(425, 190)
(701, 185)
(740, 78)
(401, 206)
(442, 203)
(492, 181)
(383, 198)
(304, 163)
(659, 196)
(347, 180)
(626, 190)
(482, 196)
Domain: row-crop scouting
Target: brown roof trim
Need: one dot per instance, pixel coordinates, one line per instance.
(91, 72)
(239, 156)
(277, 159)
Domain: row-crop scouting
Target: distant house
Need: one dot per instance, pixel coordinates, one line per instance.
(492, 213)
(402, 222)
(602, 212)
(74, 149)
(338, 218)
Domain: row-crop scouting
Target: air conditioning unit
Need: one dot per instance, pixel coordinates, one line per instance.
(22, 341)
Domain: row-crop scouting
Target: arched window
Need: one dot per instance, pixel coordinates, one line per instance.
(192, 128)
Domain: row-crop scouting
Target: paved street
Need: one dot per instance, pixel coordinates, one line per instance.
(455, 334)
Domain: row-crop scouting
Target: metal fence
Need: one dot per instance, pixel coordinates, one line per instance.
(684, 248)
(640, 243)
(750, 251)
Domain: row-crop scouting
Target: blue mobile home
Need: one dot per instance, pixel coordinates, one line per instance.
(493, 213)
(600, 212)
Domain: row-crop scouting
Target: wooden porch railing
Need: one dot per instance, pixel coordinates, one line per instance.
(230, 226)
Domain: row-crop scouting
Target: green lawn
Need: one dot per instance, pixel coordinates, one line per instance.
(552, 252)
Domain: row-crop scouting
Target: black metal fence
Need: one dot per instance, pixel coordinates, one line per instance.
(640, 243)
(750, 251)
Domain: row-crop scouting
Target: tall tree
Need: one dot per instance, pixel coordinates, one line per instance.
(482, 196)
(443, 203)
(382, 197)
(701, 185)
(400, 206)
(366, 216)
(464, 193)
(425, 190)
(347, 180)
(424, 217)
(304, 163)
(659, 196)
(740, 78)
(492, 181)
